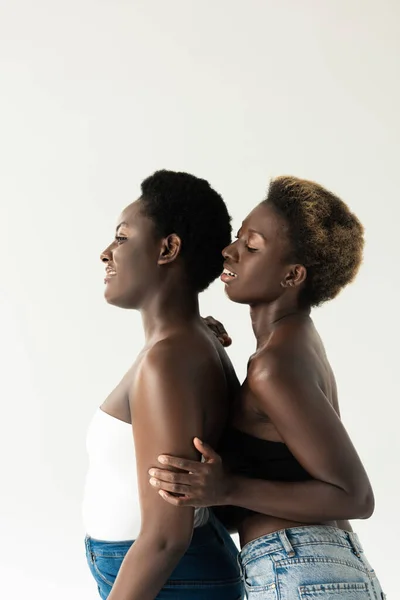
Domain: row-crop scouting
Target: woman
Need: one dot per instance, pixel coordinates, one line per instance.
(288, 470)
(180, 386)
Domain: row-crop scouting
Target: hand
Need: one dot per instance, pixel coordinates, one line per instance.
(201, 483)
(218, 330)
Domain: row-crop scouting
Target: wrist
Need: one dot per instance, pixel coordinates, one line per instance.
(230, 490)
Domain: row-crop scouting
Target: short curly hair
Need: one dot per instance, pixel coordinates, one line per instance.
(325, 236)
(183, 204)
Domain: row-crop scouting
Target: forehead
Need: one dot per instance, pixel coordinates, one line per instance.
(265, 220)
(130, 215)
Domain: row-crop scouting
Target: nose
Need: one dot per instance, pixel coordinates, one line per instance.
(106, 255)
(230, 252)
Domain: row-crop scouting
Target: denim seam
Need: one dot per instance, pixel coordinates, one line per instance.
(100, 574)
(306, 590)
(310, 560)
(98, 541)
(274, 585)
(264, 588)
(255, 555)
(182, 582)
(210, 583)
(101, 555)
(260, 588)
(329, 532)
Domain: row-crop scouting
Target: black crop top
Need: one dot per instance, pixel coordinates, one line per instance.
(253, 457)
(244, 454)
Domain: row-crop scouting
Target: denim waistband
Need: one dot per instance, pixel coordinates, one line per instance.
(201, 535)
(287, 539)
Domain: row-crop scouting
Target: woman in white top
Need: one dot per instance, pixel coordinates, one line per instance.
(167, 249)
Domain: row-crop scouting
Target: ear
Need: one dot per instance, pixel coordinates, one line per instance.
(295, 276)
(170, 249)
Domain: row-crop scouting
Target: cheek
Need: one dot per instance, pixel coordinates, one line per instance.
(127, 257)
(135, 265)
(258, 282)
(118, 255)
(254, 273)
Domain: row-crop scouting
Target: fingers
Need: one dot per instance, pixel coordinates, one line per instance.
(219, 330)
(191, 466)
(211, 321)
(176, 500)
(216, 325)
(206, 450)
(225, 340)
(184, 464)
(171, 477)
(174, 488)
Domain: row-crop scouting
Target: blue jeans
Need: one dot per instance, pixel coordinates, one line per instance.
(209, 570)
(308, 563)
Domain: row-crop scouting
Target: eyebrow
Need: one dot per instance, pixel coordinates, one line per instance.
(120, 225)
(256, 232)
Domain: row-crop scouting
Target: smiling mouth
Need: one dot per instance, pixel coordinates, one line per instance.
(228, 276)
(230, 273)
(109, 273)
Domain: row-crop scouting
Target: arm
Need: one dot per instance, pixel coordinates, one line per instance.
(315, 435)
(166, 414)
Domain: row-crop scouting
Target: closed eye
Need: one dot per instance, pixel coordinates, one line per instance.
(249, 248)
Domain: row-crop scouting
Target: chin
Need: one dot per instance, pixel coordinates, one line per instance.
(111, 301)
(235, 296)
(120, 301)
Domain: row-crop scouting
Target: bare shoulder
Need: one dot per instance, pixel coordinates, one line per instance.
(182, 355)
(170, 354)
(164, 382)
(285, 373)
(271, 364)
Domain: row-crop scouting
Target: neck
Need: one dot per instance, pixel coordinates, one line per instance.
(167, 313)
(266, 317)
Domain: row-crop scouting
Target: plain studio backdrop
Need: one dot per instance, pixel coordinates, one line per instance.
(95, 96)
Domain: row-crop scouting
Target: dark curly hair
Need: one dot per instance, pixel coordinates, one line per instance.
(183, 204)
(325, 236)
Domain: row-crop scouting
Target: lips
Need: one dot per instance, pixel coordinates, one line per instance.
(228, 275)
(110, 272)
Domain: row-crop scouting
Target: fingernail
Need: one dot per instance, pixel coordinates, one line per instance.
(200, 441)
(162, 459)
(151, 472)
(153, 481)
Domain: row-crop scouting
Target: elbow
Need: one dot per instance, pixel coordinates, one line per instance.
(363, 504)
(172, 546)
(368, 505)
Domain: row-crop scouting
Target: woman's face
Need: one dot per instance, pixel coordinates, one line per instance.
(131, 260)
(257, 263)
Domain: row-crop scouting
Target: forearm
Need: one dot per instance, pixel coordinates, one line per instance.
(306, 501)
(145, 569)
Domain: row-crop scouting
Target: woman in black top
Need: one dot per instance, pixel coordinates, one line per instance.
(287, 458)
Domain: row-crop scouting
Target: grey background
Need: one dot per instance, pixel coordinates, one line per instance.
(96, 95)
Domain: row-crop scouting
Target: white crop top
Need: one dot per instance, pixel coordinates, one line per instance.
(111, 508)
